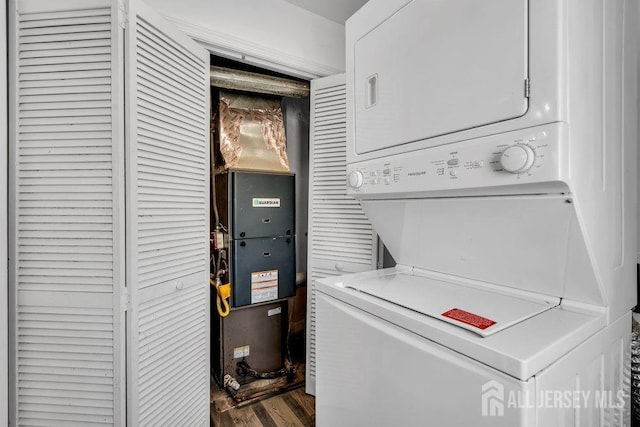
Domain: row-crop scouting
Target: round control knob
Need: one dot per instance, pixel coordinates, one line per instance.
(355, 179)
(517, 158)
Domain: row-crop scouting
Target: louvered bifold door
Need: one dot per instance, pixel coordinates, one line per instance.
(341, 239)
(66, 209)
(167, 224)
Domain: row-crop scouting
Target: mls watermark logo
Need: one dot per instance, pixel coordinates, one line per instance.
(492, 399)
(495, 399)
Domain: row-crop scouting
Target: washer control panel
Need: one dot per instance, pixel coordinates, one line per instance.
(528, 156)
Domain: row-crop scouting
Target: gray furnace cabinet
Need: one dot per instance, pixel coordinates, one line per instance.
(259, 212)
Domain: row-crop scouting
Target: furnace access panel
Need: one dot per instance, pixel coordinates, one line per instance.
(260, 218)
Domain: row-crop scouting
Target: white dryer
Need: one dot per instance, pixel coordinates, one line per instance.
(492, 145)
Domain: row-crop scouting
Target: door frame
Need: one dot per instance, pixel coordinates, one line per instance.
(4, 248)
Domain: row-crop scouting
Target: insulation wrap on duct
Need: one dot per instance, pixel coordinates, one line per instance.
(252, 135)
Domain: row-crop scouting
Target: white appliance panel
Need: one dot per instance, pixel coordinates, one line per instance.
(469, 167)
(519, 351)
(521, 242)
(379, 374)
(480, 310)
(469, 57)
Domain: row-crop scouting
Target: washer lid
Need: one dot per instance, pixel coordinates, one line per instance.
(521, 350)
(437, 67)
(480, 309)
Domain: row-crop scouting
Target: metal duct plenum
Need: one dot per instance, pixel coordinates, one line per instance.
(226, 78)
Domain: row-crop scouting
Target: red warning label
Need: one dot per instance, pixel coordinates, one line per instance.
(469, 318)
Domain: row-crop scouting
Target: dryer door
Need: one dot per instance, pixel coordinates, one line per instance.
(435, 67)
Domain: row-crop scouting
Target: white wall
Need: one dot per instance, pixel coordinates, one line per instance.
(4, 308)
(269, 33)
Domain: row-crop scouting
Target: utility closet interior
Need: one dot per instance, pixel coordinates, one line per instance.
(259, 205)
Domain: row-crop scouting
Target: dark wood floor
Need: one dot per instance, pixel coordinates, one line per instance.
(292, 408)
(267, 403)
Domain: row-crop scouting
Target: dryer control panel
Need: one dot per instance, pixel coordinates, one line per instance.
(530, 156)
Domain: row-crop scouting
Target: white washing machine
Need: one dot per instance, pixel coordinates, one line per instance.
(492, 145)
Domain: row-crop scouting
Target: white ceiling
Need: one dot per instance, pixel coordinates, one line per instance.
(335, 10)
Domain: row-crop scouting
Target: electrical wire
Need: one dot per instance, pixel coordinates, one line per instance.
(246, 370)
(288, 348)
(212, 154)
(218, 262)
(223, 293)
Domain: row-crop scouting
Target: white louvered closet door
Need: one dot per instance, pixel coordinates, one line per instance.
(341, 239)
(108, 217)
(167, 224)
(66, 216)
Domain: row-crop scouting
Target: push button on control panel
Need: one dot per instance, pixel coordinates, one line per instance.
(453, 162)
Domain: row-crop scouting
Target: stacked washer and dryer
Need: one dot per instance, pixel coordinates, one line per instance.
(493, 147)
